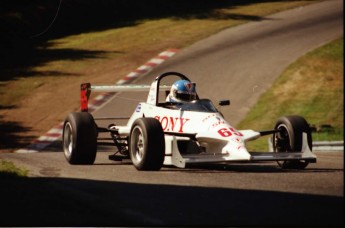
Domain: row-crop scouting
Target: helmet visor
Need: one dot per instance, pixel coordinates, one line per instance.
(183, 96)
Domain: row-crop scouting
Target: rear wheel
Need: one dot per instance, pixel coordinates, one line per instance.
(146, 144)
(290, 139)
(79, 138)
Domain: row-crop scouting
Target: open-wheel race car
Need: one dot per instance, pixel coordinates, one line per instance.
(164, 132)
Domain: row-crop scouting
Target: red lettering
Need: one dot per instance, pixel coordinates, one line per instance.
(218, 123)
(171, 123)
(226, 132)
(208, 117)
(236, 132)
(165, 125)
(182, 123)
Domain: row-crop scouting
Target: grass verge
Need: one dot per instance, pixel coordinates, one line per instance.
(9, 171)
(125, 48)
(311, 87)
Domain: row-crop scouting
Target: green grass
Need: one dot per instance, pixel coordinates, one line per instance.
(8, 171)
(311, 87)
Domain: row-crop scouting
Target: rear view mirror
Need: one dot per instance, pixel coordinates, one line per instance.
(224, 102)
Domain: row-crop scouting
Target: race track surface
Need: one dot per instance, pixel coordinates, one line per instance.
(239, 64)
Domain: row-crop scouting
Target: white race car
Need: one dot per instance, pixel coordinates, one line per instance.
(170, 133)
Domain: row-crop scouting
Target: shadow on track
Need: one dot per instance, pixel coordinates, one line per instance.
(9, 137)
(79, 202)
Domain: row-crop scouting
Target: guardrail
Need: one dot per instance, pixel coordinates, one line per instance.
(326, 146)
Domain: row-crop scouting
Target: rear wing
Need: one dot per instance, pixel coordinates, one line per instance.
(86, 88)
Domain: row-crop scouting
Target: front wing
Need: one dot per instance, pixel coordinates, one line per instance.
(174, 157)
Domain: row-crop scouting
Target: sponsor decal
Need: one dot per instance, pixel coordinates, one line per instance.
(218, 122)
(227, 132)
(237, 140)
(189, 86)
(208, 117)
(215, 121)
(172, 123)
(138, 109)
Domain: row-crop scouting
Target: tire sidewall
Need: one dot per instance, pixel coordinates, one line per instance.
(153, 143)
(295, 126)
(139, 126)
(294, 141)
(72, 125)
(84, 138)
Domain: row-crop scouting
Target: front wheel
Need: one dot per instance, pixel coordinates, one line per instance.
(290, 139)
(146, 144)
(79, 138)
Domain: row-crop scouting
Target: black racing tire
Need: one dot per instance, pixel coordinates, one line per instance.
(290, 139)
(146, 144)
(79, 138)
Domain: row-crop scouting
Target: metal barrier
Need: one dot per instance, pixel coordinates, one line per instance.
(325, 146)
(328, 146)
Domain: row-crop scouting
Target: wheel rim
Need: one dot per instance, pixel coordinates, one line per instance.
(68, 139)
(282, 142)
(282, 139)
(139, 148)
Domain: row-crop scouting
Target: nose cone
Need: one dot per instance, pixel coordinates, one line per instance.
(237, 151)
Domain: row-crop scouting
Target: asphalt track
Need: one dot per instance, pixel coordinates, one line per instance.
(239, 64)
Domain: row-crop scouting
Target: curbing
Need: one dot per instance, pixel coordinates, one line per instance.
(56, 132)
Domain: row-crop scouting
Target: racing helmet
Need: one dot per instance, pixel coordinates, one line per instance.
(182, 91)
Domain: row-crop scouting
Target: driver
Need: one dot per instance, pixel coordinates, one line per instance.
(182, 91)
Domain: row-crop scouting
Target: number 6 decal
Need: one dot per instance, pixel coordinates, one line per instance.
(226, 132)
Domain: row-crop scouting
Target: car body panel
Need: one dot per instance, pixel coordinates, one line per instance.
(195, 132)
